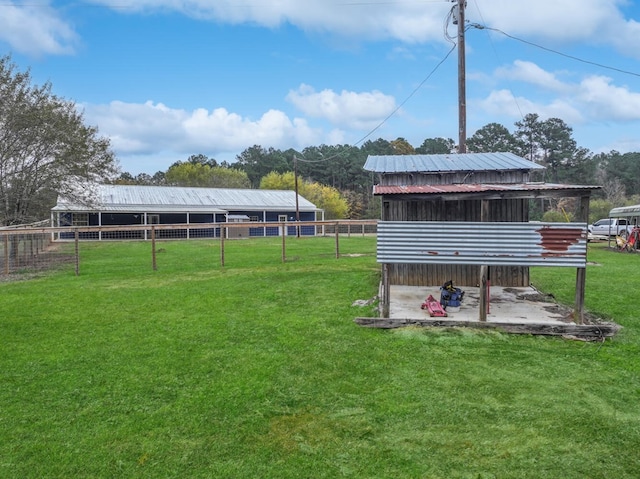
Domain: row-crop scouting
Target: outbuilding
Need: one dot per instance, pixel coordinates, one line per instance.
(446, 217)
(124, 205)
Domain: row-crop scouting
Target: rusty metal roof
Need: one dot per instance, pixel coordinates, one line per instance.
(457, 189)
(448, 163)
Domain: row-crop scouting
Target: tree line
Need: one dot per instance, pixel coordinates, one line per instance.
(46, 149)
(547, 142)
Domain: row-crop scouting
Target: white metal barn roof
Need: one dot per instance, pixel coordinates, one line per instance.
(623, 211)
(448, 163)
(168, 199)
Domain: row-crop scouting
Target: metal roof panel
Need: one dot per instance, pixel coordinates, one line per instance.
(622, 211)
(175, 199)
(448, 163)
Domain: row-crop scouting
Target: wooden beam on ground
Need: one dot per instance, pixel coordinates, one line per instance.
(591, 332)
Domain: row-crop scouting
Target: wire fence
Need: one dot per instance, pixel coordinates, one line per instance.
(29, 250)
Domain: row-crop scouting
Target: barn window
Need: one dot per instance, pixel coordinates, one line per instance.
(153, 219)
(80, 219)
(282, 218)
(254, 218)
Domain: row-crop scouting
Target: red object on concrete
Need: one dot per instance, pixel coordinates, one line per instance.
(434, 307)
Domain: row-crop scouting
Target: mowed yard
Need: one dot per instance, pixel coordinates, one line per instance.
(257, 370)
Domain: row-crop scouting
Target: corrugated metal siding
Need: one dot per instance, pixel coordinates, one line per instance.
(494, 244)
(448, 163)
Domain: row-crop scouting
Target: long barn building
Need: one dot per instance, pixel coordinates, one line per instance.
(124, 205)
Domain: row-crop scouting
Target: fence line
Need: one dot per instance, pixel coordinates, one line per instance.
(37, 248)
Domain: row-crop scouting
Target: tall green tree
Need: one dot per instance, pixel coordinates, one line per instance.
(558, 147)
(528, 136)
(402, 147)
(377, 147)
(257, 162)
(550, 143)
(202, 160)
(325, 197)
(341, 167)
(492, 138)
(436, 146)
(202, 175)
(127, 178)
(623, 168)
(45, 149)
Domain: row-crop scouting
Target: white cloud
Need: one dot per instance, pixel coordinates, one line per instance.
(36, 29)
(594, 99)
(608, 102)
(504, 103)
(590, 21)
(531, 73)
(149, 127)
(347, 109)
(407, 21)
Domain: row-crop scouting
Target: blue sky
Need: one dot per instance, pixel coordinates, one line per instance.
(165, 79)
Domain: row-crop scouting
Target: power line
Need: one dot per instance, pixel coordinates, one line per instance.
(582, 60)
(415, 90)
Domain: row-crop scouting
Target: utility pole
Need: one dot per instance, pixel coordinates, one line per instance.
(295, 179)
(462, 93)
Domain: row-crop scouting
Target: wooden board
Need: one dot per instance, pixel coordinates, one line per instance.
(590, 332)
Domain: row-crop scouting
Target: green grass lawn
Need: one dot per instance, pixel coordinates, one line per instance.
(257, 370)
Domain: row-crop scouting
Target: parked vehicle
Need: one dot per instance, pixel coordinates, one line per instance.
(611, 227)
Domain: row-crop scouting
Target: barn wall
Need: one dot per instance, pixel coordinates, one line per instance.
(466, 210)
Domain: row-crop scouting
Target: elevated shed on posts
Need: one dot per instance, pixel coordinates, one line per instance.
(479, 202)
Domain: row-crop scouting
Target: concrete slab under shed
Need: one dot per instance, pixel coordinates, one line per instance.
(512, 310)
(507, 305)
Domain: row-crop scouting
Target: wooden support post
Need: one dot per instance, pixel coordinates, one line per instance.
(222, 235)
(578, 313)
(581, 273)
(386, 291)
(77, 250)
(483, 305)
(6, 254)
(154, 262)
(484, 271)
(284, 243)
(337, 241)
